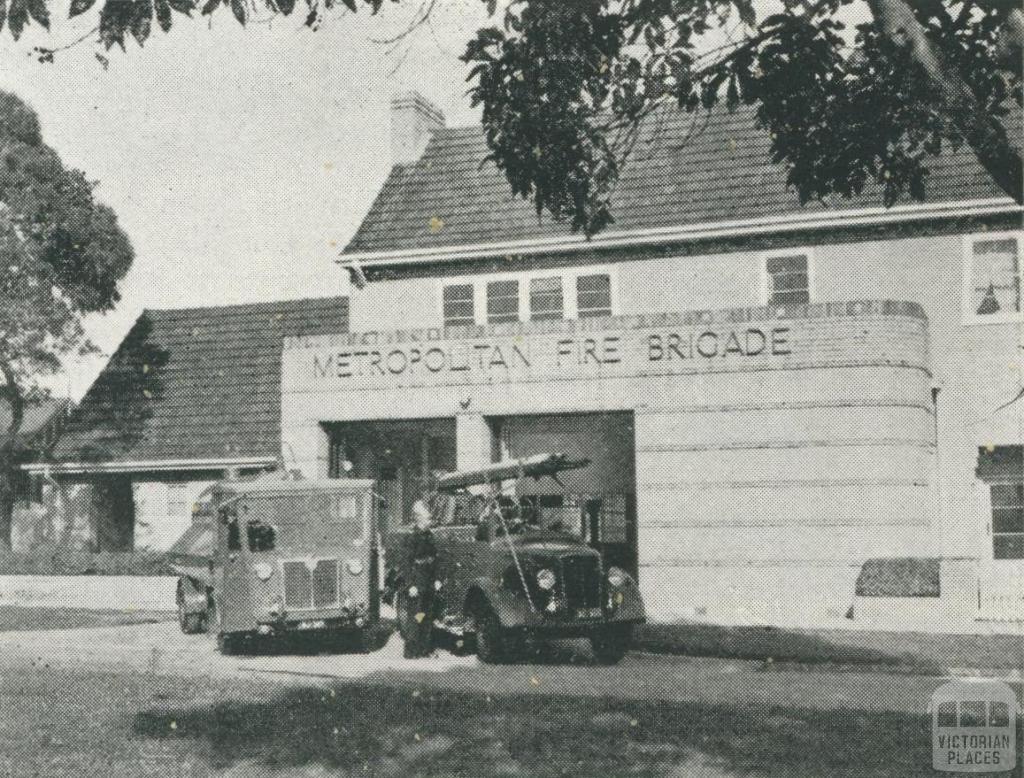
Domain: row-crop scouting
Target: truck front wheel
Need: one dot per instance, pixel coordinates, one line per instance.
(494, 643)
(611, 643)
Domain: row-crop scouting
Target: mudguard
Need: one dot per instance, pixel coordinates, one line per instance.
(631, 606)
(194, 594)
(512, 610)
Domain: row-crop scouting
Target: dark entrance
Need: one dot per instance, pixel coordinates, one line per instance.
(399, 455)
(601, 499)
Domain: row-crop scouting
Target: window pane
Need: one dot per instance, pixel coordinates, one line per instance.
(545, 298)
(788, 280)
(972, 713)
(594, 295)
(1007, 520)
(998, 714)
(1007, 495)
(261, 536)
(995, 277)
(947, 714)
(458, 304)
(794, 264)
(502, 301)
(1008, 546)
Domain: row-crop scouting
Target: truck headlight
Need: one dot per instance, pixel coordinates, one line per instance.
(617, 577)
(546, 579)
(263, 571)
(355, 566)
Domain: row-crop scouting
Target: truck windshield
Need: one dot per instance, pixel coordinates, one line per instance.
(262, 537)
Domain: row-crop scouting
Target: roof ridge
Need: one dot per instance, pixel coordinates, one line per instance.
(238, 306)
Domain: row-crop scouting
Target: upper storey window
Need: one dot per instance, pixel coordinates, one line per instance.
(502, 301)
(992, 290)
(457, 301)
(787, 278)
(538, 296)
(546, 298)
(594, 295)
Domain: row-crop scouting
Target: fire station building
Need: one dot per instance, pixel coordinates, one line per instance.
(795, 414)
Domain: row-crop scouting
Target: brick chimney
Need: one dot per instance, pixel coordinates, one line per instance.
(413, 119)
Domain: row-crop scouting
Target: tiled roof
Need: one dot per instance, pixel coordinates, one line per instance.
(680, 174)
(195, 383)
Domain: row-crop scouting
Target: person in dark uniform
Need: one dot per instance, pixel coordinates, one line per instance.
(421, 581)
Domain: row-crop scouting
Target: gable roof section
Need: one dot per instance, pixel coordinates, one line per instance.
(195, 384)
(686, 170)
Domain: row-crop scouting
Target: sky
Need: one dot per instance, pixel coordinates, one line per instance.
(239, 161)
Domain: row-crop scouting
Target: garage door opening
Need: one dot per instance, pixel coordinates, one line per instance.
(601, 498)
(399, 455)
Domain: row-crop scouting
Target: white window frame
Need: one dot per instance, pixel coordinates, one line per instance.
(613, 287)
(806, 251)
(453, 282)
(528, 283)
(970, 316)
(988, 539)
(570, 309)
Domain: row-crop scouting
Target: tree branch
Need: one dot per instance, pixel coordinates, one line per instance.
(17, 402)
(985, 135)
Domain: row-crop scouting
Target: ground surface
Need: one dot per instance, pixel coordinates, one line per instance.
(146, 700)
(16, 617)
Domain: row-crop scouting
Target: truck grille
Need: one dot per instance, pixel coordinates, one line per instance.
(305, 588)
(581, 581)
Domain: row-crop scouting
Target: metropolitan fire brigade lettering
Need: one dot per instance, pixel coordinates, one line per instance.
(483, 357)
(709, 344)
(506, 359)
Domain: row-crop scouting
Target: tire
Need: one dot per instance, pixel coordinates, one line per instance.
(190, 623)
(611, 643)
(229, 643)
(494, 643)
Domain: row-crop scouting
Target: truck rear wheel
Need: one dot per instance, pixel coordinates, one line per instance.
(191, 623)
(611, 643)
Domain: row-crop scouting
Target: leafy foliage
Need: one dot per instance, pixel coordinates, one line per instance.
(62, 256)
(566, 85)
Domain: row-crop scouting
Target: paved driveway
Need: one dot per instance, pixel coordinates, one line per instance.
(564, 670)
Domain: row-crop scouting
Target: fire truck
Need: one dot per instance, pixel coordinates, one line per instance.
(279, 554)
(506, 572)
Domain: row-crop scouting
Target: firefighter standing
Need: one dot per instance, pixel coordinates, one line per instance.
(422, 584)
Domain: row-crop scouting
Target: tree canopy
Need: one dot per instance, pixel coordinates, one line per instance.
(566, 84)
(62, 256)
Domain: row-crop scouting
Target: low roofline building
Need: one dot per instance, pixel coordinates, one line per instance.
(190, 396)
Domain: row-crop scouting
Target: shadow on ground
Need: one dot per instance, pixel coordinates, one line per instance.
(373, 730)
(315, 643)
(931, 654)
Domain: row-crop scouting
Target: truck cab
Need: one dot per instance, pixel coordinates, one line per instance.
(286, 555)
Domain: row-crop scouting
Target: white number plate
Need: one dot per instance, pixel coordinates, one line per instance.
(588, 613)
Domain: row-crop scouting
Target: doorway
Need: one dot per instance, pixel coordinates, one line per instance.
(600, 499)
(399, 455)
